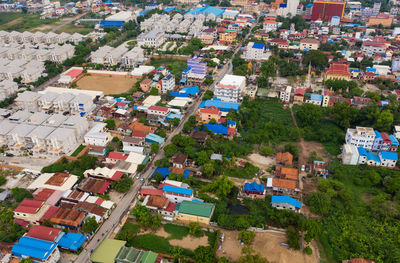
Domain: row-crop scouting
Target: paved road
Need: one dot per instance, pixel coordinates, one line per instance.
(124, 205)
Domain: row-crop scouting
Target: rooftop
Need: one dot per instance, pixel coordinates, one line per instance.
(196, 208)
(107, 251)
(286, 199)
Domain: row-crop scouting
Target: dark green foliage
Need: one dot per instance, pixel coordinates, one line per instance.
(9, 231)
(204, 254)
(90, 225)
(248, 171)
(145, 218)
(317, 59)
(122, 185)
(128, 232)
(20, 194)
(110, 124)
(78, 150)
(293, 237)
(176, 231)
(195, 44)
(2, 180)
(77, 167)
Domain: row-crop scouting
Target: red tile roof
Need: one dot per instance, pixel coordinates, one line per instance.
(29, 206)
(299, 92)
(149, 191)
(158, 108)
(171, 207)
(117, 156)
(21, 222)
(117, 175)
(44, 233)
(138, 134)
(210, 110)
(49, 213)
(338, 69)
(44, 194)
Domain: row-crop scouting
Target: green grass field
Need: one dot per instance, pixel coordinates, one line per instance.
(78, 150)
(70, 29)
(176, 231)
(22, 22)
(176, 66)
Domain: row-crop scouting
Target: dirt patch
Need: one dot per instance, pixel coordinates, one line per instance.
(260, 161)
(107, 84)
(161, 233)
(190, 242)
(307, 147)
(267, 245)
(42, 28)
(15, 21)
(238, 181)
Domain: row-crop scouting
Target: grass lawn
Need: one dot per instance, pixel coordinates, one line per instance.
(78, 150)
(176, 231)
(22, 22)
(156, 244)
(70, 29)
(176, 66)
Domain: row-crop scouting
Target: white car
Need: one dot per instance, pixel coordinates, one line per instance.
(303, 168)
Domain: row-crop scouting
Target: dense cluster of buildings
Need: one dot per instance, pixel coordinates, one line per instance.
(107, 55)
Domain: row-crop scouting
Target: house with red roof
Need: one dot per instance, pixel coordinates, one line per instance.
(298, 96)
(45, 233)
(208, 113)
(281, 43)
(338, 71)
(30, 211)
(157, 113)
(114, 157)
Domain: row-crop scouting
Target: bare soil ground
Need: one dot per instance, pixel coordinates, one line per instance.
(238, 181)
(190, 242)
(260, 161)
(13, 22)
(107, 84)
(267, 245)
(313, 147)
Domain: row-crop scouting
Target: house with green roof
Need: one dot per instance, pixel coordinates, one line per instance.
(192, 211)
(114, 251)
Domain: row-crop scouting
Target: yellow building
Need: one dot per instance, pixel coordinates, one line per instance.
(384, 19)
(228, 36)
(190, 211)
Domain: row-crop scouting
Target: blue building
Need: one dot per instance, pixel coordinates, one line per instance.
(72, 241)
(285, 202)
(110, 24)
(165, 171)
(198, 69)
(207, 10)
(254, 189)
(151, 137)
(221, 105)
(36, 249)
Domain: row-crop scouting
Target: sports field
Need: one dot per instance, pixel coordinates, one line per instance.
(107, 84)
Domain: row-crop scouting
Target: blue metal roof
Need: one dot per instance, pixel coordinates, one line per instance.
(254, 187)
(177, 190)
(192, 90)
(286, 199)
(231, 122)
(173, 116)
(151, 137)
(394, 140)
(222, 105)
(389, 155)
(206, 11)
(169, 9)
(373, 157)
(362, 151)
(165, 171)
(316, 97)
(72, 241)
(217, 128)
(179, 94)
(107, 23)
(33, 247)
(377, 134)
(258, 46)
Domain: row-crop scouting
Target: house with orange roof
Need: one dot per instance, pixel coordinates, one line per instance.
(284, 186)
(140, 127)
(208, 113)
(287, 173)
(285, 158)
(338, 71)
(270, 24)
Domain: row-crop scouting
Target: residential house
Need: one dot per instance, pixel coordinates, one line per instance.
(230, 88)
(285, 202)
(270, 24)
(157, 113)
(285, 94)
(145, 85)
(154, 38)
(199, 136)
(309, 44)
(190, 211)
(350, 154)
(388, 159)
(319, 168)
(208, 113)
(285, 159)
(315, 99)
(68, 217)
(177, 194)
(373, 48)
(98, 135)
(168, 83)
(361, 137)
(30, 211)
(254, 190)
(298, 96)
(160, 205)
(36, 249)
(179, 160)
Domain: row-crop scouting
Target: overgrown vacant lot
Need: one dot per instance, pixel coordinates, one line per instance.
(107, 84)
(176, 66)
(22, 22)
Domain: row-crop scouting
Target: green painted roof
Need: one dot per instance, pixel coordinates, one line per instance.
(196, 208)
(149, 257)
(107, 251)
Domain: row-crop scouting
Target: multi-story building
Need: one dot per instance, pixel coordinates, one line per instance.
(154, 38)
(309, 44)
(98, 135)
(157, 113)
(168, 83)
(338, 71)
(208, 113)
(350, 154)
(285, 94)
(230, 88)
(254, 51)
(361, 137)
(372, 48)
(228, 36)
(270, 24)
(198, 68)
(325, 10)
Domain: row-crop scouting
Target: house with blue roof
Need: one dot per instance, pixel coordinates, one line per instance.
(177, 194)
(377, 141)
(35, 249)
(206, 11)
(315, 99)
(285, 202)
(373, 159)
(362, 152)
(111, 23)
(388, 159)
(254, 190)
(165, 171)
(395, 143)
(192, 90)
(220, 129)
(221, 105)
(151, 137)
(72, 241)
(254, 51)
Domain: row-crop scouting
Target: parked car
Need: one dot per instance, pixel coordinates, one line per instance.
(307, 168)
(303, 168)
(303, 178)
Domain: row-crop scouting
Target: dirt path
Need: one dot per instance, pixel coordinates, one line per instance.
(302, 157)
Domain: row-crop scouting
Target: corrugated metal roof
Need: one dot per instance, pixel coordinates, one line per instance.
(285, 199)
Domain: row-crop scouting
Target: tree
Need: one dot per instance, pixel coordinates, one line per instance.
(308, 114)
(343, 115)
(122, 185)
(145, 218)
(204, 254)
(175, 121)
(249, 258)
(267, 151)
(110, 124)
(208, 169)
(317, 59)
(2, 180)
(158, 177)
(195, 229)
(20, 194)
(170, 150)
(293, 237)
(292, 149)
(90, 225)
(208, 95)
(177, 252)
(384, 121)
(222, 186)
(208, 81)
(154, 91)
(155, 147)
(319, 203)
(202, 158)
(246, 237)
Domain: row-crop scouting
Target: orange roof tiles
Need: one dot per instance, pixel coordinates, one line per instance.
(68, 217)
(58, 179)
(284, 158)
(140, 127)
(283, 183)
(338, 69)
(159, 202)
(287, 173)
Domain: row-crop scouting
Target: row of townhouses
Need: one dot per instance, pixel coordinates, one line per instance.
(112, 56)
(40, 37)
(371, 139)
(353, 155)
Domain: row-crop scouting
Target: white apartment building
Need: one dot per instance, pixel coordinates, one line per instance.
(361, 137)
(285, 94)
(254, 51)
(372, 48)
(133, 57)
(28, 100)
(309, 44)
(154, 38)
(168, 83)
(350, 154)
(98, 135)
(230, 88)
